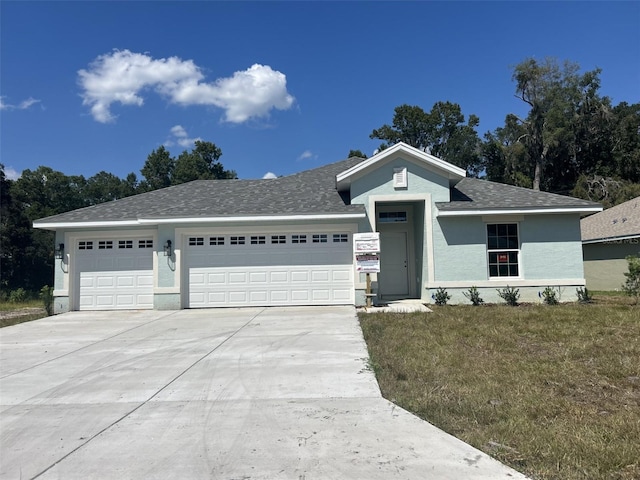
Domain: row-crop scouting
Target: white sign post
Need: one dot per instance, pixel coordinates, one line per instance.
(366, 247)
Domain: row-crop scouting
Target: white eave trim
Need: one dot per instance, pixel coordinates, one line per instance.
(611, 239)
(519, 211)
(452, 170)
(164, 221)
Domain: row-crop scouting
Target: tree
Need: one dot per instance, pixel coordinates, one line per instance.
(105, 187)
(356, 153)
(202, 163)
(36, 194)
(561, 101)
(157, 170)
(441, 132)
(504, 156)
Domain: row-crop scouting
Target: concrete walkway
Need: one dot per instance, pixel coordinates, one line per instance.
(277, 393)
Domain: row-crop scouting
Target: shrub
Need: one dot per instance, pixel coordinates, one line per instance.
(18, 295)
(474, 296)
(632, 285)
(441, 297)
(549, 296)
(510, 295)
(46, 294)
(583, 295)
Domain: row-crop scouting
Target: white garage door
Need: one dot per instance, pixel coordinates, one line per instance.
(114, 274)
(270, 269)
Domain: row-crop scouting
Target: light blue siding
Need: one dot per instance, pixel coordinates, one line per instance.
(380, 182)
(551, 247)
(460, 250)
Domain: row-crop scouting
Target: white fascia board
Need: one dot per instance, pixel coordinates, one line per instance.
(165, 221)
(454, 171)
(611, 239)
(61, 225)
(256, 218)
(519, 211)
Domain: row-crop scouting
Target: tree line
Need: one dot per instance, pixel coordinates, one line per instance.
(573, 140)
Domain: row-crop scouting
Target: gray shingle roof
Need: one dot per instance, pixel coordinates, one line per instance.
(305, 193)
(472, 194)
(616, 222)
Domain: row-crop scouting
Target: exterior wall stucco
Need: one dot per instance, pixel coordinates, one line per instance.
(550, 255)
(380, 182)
(605, 263)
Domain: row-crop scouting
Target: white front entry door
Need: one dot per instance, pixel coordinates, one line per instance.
(393, 276)
(269, 269)
(113, 274)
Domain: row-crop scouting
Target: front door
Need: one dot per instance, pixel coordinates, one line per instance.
(394, 276)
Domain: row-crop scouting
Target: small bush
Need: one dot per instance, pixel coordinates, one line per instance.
(632, 285)
(510, 295)
(441, 297)
(583, 295)
(549, 296)
(46, 294)
(18, 295)
(474, 296)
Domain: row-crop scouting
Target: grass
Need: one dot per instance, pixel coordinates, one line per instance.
(12, 313)
(553, 391)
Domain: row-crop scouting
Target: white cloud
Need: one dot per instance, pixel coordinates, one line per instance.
(122, 76)
(269, 175)
(306, 155)
(12, 173)
(180, 137)
(23, 105)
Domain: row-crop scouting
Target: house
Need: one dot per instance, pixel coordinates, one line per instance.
(288, 241)
(608, 238)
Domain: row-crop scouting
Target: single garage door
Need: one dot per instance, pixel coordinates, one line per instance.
(114, 274)
(269, 269)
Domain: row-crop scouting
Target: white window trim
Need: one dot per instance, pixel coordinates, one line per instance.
(518, 250)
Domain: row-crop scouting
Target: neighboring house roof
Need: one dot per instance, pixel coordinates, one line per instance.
(615, 223)
(473, 196)
(310, 193)
(427, 160)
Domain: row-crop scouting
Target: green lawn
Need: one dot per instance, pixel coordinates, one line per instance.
(553, 391)
(13, 313)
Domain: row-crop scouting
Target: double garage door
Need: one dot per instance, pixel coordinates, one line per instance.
(269, 269)
(114, 273)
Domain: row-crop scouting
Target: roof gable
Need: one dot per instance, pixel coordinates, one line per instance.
(619, 222)
(445, 169)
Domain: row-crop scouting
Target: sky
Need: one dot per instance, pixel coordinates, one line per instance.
(280, 87)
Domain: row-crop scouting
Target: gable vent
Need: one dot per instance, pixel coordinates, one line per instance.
(400, 177)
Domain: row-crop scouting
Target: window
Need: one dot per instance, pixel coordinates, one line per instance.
(196, 241)
(319, 238)
(237, 241)
(258, 240)
(298, 239)
(105, 245)
(392, 217)
(277, 239)
(85, 245)
(145, 243)
(340, 237)
(503, 249)
(216, 240)
(125, 243)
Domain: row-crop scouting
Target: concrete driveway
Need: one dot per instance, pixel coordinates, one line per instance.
(255, 393)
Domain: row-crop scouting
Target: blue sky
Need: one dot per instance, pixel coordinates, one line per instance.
(280, 87)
